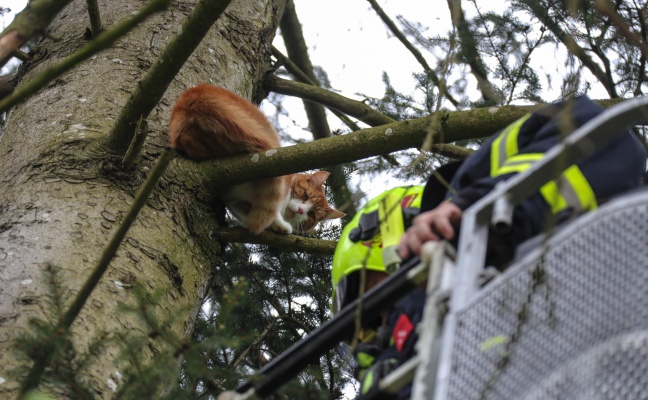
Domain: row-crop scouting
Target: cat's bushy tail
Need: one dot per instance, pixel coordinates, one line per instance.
(209, 121)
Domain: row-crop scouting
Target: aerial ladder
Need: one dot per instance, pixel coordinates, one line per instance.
(568, 319)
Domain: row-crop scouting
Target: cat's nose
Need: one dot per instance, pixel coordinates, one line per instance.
(300, 211)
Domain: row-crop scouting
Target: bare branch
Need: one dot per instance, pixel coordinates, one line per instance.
(103, 41)
(21, 55)
(570, 43)
(283, 242)
(417, 54)
(95, 18)
(298, 53)
(330, 99)
(354, 108)
(295, 71)
(456, 125)
(604, 8)
(470, 52)
(33, 20)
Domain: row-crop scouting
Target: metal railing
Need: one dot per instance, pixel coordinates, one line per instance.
(497, 209)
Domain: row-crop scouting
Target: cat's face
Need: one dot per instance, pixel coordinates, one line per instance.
(308, 205)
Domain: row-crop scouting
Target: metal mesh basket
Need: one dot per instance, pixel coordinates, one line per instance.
(568, 321)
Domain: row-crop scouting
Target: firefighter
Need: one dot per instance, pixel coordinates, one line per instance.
(385, 342)
(614, 169)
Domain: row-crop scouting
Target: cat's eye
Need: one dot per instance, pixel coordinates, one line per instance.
(311, 214)
(305, 197)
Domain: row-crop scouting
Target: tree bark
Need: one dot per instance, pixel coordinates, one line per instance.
(63, 194)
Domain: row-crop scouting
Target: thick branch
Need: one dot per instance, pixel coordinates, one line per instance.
(456, 125)
(417, 54)
(330, 99)
(283, 242)
(34, 19)
(21, 55)
(298, 53)
(103, 41)
(151, 88)
(470, 52)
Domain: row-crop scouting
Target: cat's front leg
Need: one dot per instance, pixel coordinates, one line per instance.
(279, 225)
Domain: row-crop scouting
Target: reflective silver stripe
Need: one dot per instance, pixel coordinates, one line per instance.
(570, 189)
(569, 193)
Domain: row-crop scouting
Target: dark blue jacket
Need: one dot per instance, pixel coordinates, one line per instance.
(614, 169)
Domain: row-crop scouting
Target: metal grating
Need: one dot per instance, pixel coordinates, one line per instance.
(570, 325)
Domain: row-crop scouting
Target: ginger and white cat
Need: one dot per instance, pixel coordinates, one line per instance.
(211, 122)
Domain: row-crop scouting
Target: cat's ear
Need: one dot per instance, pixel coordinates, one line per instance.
(332, 213)
(319, 177)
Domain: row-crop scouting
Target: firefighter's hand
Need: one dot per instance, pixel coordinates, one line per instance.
(437, 224)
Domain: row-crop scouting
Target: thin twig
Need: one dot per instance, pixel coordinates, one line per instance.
(606, 9)
(295, 71)
(95, 18)
(417, 54)
(325, 97)
(103, 41)
(252, 345)
(33, 20)
(21, 55)
(354, 108)
(34, 376)
(137, 144)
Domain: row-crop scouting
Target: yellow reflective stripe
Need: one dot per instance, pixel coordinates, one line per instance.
(553, 197)
(525, 157)
(571, 189)
(517, 167)
(505, 145)
(367, 382)
(518, 163)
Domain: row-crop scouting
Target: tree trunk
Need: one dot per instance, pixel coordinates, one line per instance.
(63, 195)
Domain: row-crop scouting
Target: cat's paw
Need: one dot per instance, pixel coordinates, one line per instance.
(281, 227)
